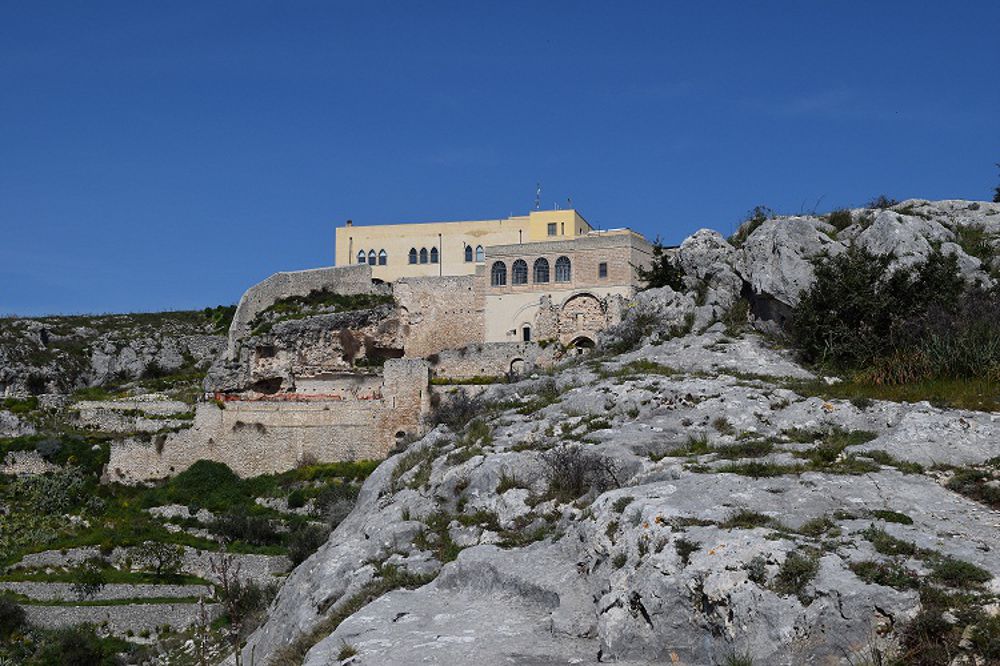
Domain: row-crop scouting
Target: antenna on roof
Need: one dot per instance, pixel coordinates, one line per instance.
(569, 202)
(538, 196)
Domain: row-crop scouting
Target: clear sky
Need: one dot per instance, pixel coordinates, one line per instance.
(164, 155)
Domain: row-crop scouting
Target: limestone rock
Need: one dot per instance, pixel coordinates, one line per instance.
(776, 258)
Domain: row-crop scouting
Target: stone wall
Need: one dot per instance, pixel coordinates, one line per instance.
(494, 359)
(347, 280)
(440, 313)
(274, 435)
(119, 620)
(131, 415)
(26, 463)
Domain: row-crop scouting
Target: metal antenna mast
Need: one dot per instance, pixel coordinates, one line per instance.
(538, 196)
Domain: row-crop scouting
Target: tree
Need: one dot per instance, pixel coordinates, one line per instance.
(243, 601)
(663, 270)
(89, 580)
(163, 559)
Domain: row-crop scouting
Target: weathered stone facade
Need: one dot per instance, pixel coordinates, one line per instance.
(265, 434)
(440, 313)
(493, 359)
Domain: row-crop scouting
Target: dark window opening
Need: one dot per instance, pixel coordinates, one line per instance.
(563, 269)
(434, 255)
(413, 255)
(468, 253)
(541, 270)
(602, 269)
(498, 274)
(519, 272)
(526, 334)
(423, 255)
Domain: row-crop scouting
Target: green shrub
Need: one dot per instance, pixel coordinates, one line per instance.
(795, 573)
(207, 484)
(758, 216)
(663, 271)
(12, 618)
(857, 313)
(305, 541)
(840, 219)
(296, 499)
(240, 525)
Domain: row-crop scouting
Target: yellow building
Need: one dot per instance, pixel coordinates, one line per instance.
(447, 248)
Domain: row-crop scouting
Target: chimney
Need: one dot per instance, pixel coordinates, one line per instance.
(349, 223)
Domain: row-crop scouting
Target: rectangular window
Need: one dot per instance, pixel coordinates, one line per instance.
(552, 228)
(602, 269)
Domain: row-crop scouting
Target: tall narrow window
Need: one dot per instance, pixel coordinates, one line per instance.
(423, 255)
(361, 256)
(602, 269)
(519, 272)
(498, 274)
(541, 270)
(563, 269)
(468, 253)
(480, 255)
(413, 255)
(383, 258)
(434, 255)
(371, 257)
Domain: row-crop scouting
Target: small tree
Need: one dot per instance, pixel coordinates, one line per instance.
(242, 600)
(663, 271)
(163, 559)
(89, 580)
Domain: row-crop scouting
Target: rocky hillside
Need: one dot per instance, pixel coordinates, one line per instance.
(693, 494)
(63, 354)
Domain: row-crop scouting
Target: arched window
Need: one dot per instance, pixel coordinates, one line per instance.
(498, 274)
(383, 258)
(468, 253)
(541, 270)
(480, 255)
(413, 255)
(371, 257)
(361, 256)
(519, 272)
(563, 269)
(434, 255)
(423, 255)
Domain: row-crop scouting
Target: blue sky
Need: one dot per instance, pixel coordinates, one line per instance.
(164, 155)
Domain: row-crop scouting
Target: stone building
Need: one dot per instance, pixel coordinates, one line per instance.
(545, 276)
(447, 248)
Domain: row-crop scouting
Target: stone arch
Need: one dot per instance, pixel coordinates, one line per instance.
(581, 315)
(517, 367)
(582, 342)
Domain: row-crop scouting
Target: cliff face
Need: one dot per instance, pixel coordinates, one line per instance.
(697, 497)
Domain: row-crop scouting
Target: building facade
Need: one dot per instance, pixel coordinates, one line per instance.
(546, 276)
(431, 249)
